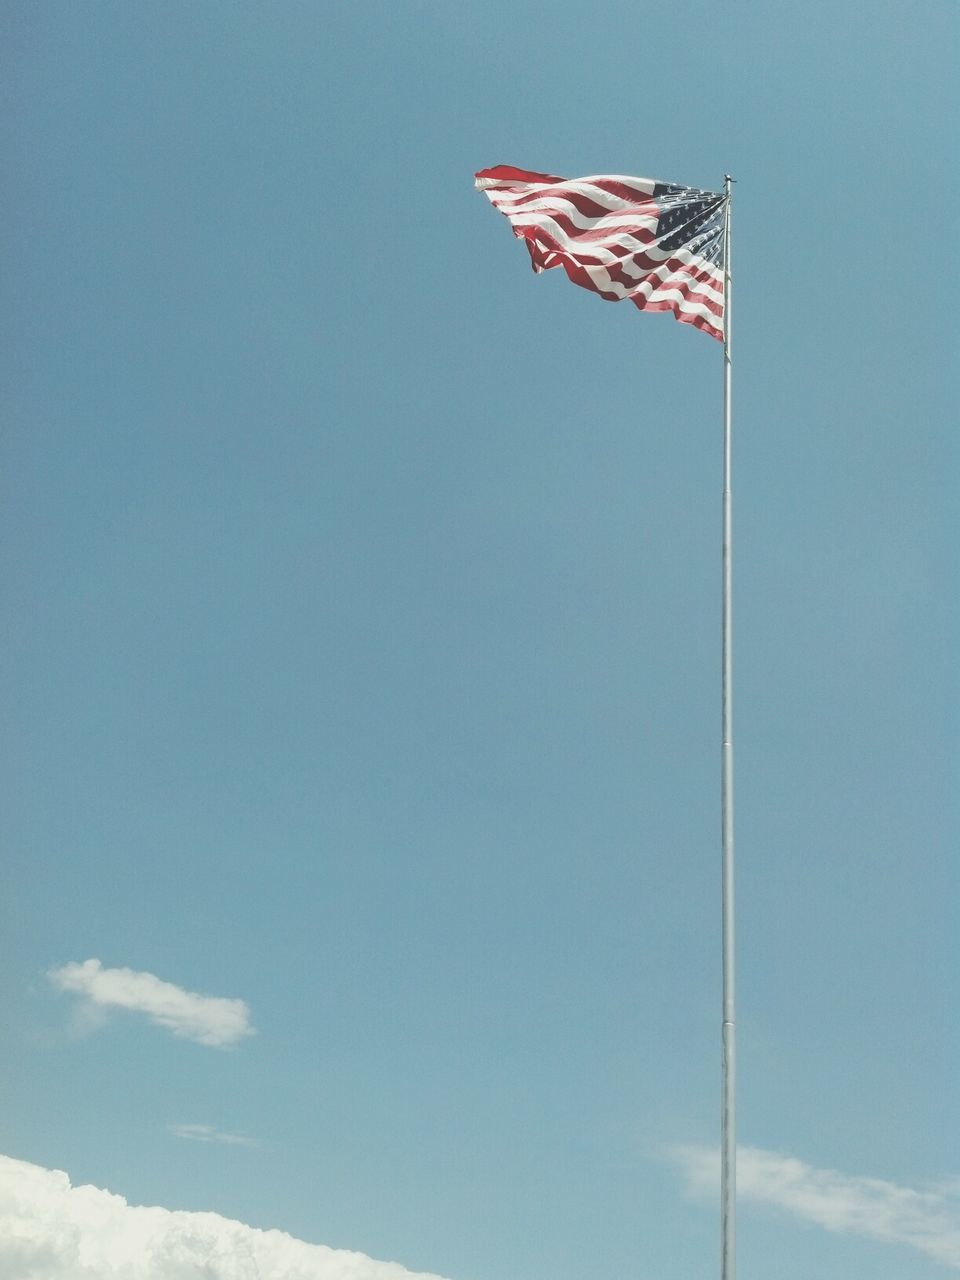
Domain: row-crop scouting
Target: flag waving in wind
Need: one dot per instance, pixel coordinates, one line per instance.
(658, 244)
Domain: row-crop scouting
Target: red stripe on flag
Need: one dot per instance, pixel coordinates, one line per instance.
(507, 173)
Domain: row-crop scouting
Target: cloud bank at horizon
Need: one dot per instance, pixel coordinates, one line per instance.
(927, 1220)
(209, 1020)
(51, 1230)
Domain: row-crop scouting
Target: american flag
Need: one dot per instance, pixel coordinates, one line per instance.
(658, 244)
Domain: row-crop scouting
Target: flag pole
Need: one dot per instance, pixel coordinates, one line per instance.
(728, 1138)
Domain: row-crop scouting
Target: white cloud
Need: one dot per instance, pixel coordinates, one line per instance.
(927, 1220)
(50, 1230)
(207, 1133)
(210, 1020)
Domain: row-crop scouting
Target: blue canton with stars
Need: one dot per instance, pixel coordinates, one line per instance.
(690, 219)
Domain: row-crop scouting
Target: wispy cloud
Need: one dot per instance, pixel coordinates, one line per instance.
(56, 1231)
(927, 1220)
(210, 1020)
(207, 1133)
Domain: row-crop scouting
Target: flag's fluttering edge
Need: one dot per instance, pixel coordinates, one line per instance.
(658, 244)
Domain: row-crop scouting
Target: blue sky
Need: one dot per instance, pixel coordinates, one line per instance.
(361, 629)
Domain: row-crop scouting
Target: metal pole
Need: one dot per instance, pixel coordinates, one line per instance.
(728, 1143)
